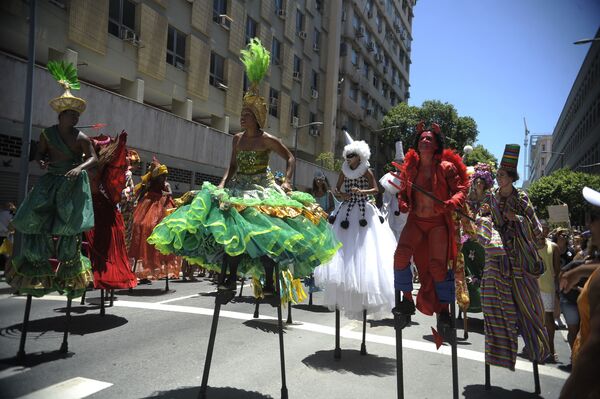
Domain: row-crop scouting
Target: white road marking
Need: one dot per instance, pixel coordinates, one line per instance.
(75, 388)
(9, 372)
(345, 333)
(180, 298)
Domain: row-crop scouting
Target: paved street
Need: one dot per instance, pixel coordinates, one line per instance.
(152, 344)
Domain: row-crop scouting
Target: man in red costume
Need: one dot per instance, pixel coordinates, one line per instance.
(427, 235)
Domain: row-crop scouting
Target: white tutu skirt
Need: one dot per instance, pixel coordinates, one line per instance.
(361, 274)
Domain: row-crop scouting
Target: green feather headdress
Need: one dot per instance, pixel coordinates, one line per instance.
(65, 74)
(256, 58)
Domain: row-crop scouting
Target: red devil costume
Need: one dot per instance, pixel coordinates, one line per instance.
(428, 235)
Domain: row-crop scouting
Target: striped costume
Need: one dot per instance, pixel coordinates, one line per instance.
(511, 300)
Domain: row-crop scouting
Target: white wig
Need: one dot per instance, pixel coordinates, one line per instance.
(360, 148)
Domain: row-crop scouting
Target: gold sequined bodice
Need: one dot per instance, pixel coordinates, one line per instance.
(252, 162)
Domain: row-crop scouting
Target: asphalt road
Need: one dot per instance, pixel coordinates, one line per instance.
(152, 344)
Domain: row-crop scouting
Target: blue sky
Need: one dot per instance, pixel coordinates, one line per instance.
(500, 60)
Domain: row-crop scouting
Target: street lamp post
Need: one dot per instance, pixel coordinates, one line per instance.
(296, 127)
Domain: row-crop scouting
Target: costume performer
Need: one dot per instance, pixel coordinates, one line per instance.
(128, 198)
(359, 277)
(511, 298)
(248, 221)
(429, 235)
(389, 209)
(107, 249)
(59, 208)
(155, 200)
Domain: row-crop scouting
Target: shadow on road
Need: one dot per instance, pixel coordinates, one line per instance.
(313, 308)
(269, 326)
(352, 362)
(387, 323)
(80, 325)
(33, 359)
(478, 391)
(212, 393)
(145, 292)
(474, 325)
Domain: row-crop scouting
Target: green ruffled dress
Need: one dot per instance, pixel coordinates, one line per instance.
(51, 220)
(252, 217)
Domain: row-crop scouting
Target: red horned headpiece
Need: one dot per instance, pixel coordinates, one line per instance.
(434, 127)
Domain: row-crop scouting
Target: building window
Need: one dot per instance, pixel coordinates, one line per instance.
(276, 52)
(543, 147)
(317, 39)
(376, 82)
(297, 64)
(175, 48)
(121, 17)
(355, 21)
(315, 80)
(319, 5)
(354, 57)
(299, 21)
(217, 70)
(219, 8)
(364, 101)
(354, 92)
(273, 102)
(294, 111)
(278, 6)
(366, 70)
(312, 118)
(251, 27)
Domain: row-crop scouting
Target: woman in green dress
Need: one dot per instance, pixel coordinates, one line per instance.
(248, 221)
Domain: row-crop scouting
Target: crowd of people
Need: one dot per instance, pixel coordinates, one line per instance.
(435, 212)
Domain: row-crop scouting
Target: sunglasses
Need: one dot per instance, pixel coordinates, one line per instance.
(350, 156)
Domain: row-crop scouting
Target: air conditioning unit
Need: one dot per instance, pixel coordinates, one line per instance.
(316, 47)
(371, 47)
(281, 13)
(397, 28)
(225, 21)
(222, 86)
(314, 132)
(360, 32)
(296, 75)
(129, 36)
(378, 58)
(273, 101)
(302, 34)
(315, 94)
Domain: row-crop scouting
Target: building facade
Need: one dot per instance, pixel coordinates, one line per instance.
(576, 137)
(168, 72)
(540, 151)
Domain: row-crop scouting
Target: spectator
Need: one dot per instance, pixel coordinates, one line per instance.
(321, 190)
(6, 214)
(568, 301)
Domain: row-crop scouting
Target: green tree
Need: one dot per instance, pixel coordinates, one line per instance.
(480, 154)
(327, 160)
(459, 130)
(563, 186)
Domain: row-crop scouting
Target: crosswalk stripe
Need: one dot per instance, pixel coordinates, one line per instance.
(75, 388)
(344, 333)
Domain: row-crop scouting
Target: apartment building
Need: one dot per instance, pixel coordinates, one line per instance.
(168, 72)
(540, 152)
(576, 136)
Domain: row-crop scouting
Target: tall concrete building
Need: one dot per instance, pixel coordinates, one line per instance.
(576, 137)
(168, 72)
(540, 151)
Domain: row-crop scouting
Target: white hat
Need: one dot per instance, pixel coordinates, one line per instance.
(591, 196)
(347, 137)
(399, 151)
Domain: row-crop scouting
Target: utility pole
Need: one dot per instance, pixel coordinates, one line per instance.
(525, 143)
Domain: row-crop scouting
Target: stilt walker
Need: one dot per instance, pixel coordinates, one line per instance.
(248, 223)
(106, 241)
(359, 278)
(434, 184)
(511, 300)
(58, 209)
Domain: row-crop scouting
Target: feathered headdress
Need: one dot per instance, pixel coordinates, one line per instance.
(65, 74)
(256, 59)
